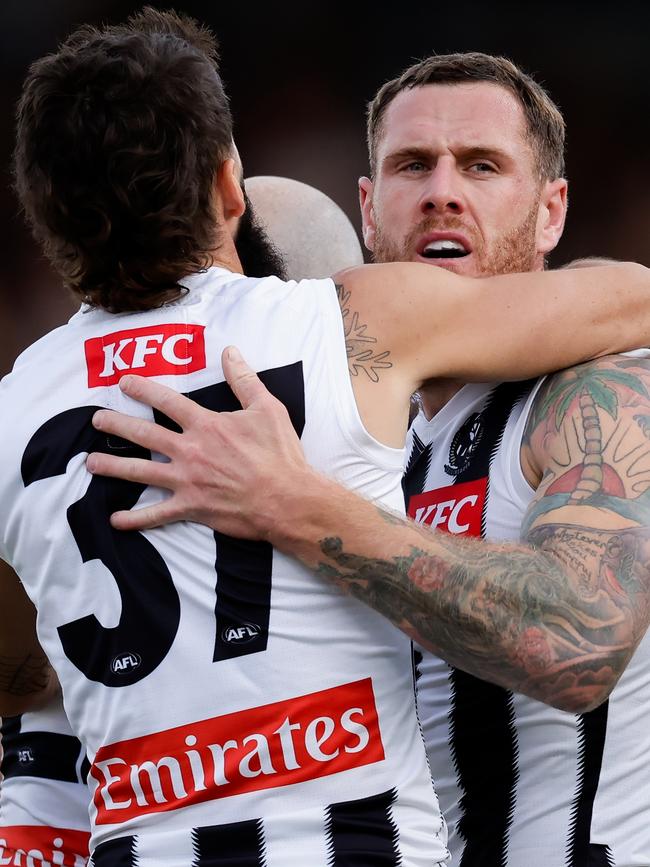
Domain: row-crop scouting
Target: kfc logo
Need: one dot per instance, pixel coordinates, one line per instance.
(456, 509)
(157, 350)
(265, 747)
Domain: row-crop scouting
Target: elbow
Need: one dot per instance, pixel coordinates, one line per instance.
(578, 691)
(583, 701)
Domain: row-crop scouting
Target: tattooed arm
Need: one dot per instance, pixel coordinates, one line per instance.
(26, 679)
(556, 617)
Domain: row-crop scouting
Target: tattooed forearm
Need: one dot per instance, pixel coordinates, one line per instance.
(557, 620)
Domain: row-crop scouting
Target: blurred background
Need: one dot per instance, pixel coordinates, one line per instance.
(300, 75)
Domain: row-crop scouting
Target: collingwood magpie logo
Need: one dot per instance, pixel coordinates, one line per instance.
(464, 444)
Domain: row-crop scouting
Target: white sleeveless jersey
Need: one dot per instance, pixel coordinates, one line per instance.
(43, 793)
(235, 707)
(520, 783)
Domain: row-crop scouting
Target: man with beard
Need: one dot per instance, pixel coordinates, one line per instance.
(535, 701)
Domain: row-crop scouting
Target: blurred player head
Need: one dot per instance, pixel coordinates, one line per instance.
(125, 163)
(467, 162)
(312, 232)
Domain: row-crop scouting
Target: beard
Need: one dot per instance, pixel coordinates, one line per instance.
(258, 256)
(513, 251)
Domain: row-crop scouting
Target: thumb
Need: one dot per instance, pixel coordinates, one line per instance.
(243, 380)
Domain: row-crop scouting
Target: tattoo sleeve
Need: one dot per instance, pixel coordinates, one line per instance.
(558, 615)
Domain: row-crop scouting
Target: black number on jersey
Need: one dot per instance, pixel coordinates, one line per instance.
(126, 653)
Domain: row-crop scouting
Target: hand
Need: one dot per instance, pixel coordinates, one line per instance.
(221, 466)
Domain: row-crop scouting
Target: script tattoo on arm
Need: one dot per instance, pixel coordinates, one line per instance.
(360, 346)
(558, 615)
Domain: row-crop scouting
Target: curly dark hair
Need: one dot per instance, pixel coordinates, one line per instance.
(120, 134)
(544, 122)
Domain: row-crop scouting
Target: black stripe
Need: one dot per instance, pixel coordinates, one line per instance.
(486, 761)
(486, 764)
(44, 755)
(362, 833)
(239, 844)
(592, 729)
(115, 853)
(417, 469)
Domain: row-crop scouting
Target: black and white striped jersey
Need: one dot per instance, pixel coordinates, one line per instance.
(217, 685)
(520, 783)
(44, 798)
(352, 833)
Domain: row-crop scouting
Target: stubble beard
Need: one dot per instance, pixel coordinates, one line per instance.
(512, 252)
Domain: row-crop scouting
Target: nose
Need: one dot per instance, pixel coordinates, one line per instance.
(442, 193)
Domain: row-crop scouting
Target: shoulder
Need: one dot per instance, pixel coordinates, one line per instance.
(610, 381)
(590, 401)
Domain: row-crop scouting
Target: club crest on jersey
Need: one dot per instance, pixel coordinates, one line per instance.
(125, 662)
(456, 509)
(240, 634)
(157, 350)
(464, 444)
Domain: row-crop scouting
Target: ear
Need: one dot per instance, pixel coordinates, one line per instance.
(552, 214)
(367, 213)
(230, 195)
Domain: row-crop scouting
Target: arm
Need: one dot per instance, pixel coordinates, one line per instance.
(27, 680)
(556, 616)
(431, 323)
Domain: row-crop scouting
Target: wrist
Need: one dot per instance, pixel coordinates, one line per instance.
(303, 513)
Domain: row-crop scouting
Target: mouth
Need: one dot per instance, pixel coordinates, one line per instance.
(443, 248)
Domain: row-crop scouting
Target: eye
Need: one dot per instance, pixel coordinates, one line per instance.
(482, 168)
(414, 166)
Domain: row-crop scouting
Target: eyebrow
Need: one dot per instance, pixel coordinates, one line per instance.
(423, 152)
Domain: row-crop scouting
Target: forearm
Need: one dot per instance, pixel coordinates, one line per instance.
(26, 678)
(508, 613)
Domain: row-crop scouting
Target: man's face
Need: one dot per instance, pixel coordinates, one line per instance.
(457, 184)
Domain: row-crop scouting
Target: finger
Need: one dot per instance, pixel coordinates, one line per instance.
(146, 518)
(140, 431)
(168, 401)
(243, 380)
(130, 469)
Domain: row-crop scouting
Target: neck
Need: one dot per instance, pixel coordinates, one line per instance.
(224, 254)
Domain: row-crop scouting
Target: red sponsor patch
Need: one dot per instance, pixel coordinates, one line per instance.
(278, 744)
(455, 509)
(157, 350)
(37, 845)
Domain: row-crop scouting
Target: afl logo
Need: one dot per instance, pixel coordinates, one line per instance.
(125, 662)
(464, 444)
(240, 634)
